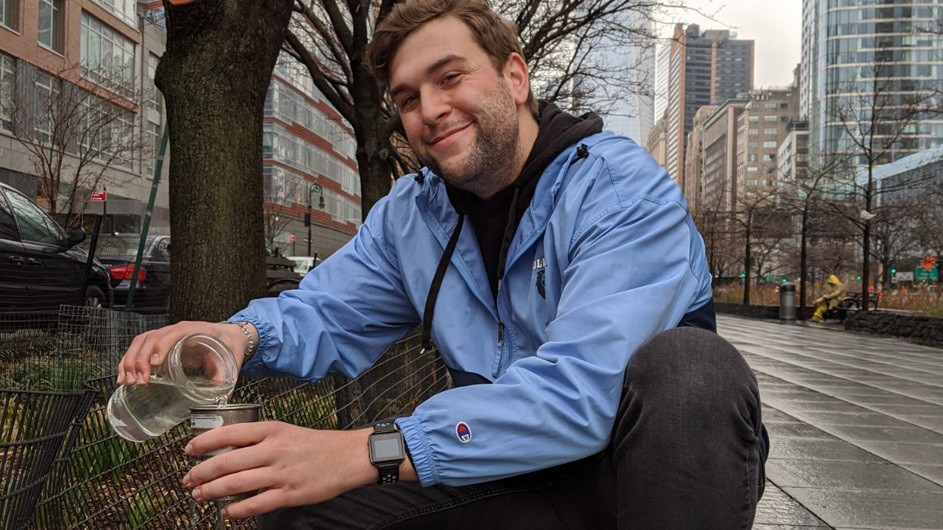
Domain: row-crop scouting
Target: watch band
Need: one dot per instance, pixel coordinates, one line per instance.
(389, 471)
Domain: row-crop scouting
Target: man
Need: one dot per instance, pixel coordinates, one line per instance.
(828, 300)
(552, 264)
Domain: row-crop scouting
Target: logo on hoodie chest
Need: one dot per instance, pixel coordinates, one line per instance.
(540, 264)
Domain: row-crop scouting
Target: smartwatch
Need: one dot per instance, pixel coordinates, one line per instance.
(387, 450)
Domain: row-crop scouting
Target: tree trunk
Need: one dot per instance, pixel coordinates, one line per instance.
(214, 76)
(373, 130)
(866, 273)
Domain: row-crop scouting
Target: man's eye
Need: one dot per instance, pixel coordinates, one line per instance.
(407, 103)
(450, 78)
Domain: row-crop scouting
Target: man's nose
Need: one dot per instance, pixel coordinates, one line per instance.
(434, 105)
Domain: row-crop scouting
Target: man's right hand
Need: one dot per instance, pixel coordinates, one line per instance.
(149, 349)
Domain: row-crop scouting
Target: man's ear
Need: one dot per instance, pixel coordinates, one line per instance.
(517, 77)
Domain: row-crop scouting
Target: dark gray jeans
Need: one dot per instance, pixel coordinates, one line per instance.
(685, 453)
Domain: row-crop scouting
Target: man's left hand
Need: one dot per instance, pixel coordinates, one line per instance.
(291, 465)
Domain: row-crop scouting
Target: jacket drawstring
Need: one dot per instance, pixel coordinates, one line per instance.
(437, 283)
(509, 230)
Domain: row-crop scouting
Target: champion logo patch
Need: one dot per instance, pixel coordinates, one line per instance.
(463, 432)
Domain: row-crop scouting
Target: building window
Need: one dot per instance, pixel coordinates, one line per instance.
(770, 145)
(770, 130)
(107, 58)
(8, 13)
(50, 24)
(752, 169)
(771, 117)
(6, 92)
(154, 102)
(153, 147)
(122, 9)
(44, 111)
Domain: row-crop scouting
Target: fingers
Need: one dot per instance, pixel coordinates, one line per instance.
(149, 349)
(244, 481)
(264, 502)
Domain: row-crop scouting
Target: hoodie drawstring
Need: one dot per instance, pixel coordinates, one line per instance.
(437, 283)
(509, 230)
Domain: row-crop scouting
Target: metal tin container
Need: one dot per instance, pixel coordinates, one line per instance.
(203, 419)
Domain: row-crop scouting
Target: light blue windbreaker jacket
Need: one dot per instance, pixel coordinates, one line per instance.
(606, 257)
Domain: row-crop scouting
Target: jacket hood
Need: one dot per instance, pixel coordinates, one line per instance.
(832, 279)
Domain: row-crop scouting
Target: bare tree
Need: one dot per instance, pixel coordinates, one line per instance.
(874, 115)
(75, 132)
(896, 233)
(754, 212)
(803, 198)
(929, 216)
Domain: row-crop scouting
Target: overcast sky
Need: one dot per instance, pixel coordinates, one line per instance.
(775, 26)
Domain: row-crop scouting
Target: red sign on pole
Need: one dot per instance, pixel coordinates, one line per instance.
(291, 238)
(99, 196)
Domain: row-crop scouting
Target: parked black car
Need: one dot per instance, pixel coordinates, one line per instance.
(41, 266)
(152, 289)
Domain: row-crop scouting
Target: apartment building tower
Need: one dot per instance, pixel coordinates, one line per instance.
(761, 128)
(704, 67)
(77, 89)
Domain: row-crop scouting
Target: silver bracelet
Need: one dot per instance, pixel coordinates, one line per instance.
(252, 346)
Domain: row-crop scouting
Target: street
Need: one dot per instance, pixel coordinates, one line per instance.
(855, 422)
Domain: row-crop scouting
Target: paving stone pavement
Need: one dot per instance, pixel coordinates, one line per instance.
(855, 422)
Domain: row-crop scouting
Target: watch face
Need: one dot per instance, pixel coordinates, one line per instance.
(386, 447)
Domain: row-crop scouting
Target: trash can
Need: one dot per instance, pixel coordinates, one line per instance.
(787, 301)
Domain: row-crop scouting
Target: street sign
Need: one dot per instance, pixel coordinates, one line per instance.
(291, 238)
(902, 276)
(98, 196)
(923, 275)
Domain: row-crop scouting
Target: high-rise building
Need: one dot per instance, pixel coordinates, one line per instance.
(718, 179)
(867, 58)
(761, 128)
(631, 114)
(703, 68)
(792, 158)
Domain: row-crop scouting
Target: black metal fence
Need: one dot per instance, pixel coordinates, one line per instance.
(62, 467)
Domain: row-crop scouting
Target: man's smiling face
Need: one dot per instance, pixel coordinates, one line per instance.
(460, 114)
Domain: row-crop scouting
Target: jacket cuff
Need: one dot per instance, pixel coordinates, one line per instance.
(419, 449)
(265, 339)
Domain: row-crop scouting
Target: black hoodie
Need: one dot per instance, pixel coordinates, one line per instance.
(494, 226)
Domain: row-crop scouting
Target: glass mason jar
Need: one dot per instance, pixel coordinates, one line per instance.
(199, 371)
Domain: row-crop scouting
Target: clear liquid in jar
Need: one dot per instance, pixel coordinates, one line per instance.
(140, 413)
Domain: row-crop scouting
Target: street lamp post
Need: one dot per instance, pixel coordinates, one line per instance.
(312, 189)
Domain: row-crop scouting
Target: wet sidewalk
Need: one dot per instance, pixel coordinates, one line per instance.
(855, 422)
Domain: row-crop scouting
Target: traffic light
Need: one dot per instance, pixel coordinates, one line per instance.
(307, 218)
(893, 271)
(858, 277)
(783, 280)
(743, 274)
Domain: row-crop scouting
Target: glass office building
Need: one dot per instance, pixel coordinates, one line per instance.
(866, 65)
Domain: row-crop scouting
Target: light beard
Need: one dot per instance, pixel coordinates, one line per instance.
(494, 155)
